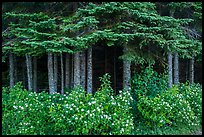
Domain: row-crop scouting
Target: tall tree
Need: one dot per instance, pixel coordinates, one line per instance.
(170, 75)
(29, 71)
(35, 74)
(126, 71)
(67, 70)
(89, 70)
(82, 69)
(51, 74)
(11, 69)
(76, 69)
(62, 74)
(176, 68)
(55, 71)
(191, 69)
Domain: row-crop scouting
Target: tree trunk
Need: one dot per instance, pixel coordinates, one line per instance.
(114, 69)
(35, 74)
(67, 73)
(51, 74)
(15, 69)
(89, 70)
(170, 70)
(191, 69)
(76, 69)
(55, 71)
(82, 69)
(72, 71)
(126, 72)
(176, 68)
(29, 71)
(62, 74)
(11, 69)
(187, 69)
(24, 74)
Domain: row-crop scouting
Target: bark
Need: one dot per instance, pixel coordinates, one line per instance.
(191, 69)
(11, 69)
(35, 74)
(89, 70)
(55, 71)
(23, 72)
(15, 69)
(29, 71)
(176, 68)
(67, 71)
(76, 69)
(187, 67)
(72, 71)
(126, 72)
(51, 74)
(114, 67)
(82, 69)
(62, 74)
(170, 70)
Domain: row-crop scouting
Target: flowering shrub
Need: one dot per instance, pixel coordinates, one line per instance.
(25, 112)
(170, 107)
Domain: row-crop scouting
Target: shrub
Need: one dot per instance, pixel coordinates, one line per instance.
(170, 107)
(76, 112)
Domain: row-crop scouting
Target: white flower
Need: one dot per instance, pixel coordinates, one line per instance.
(71, 109)
(89, 103)
(126, 125)
(112, 123)
(90, 114)
(120, 91)
(122, 129)
(82, 109)
(76, 118)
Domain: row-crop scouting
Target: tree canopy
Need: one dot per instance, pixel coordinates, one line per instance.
(29, 29)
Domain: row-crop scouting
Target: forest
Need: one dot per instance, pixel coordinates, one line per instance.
(101, 68)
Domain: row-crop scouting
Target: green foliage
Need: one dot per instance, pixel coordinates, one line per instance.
(148, 82)
(75, 113)
(172, 107)
(136, 24)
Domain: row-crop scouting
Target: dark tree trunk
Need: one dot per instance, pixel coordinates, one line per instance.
(76, 69)
(114, 67)
(24, 73)
(187, 69)
(55, 71)
(126, 72)
(35, 74)
(170, 70)
(11, 69)
(67, 69)
(51, 74)
(176, 68)
(191, 69)
(62, 74)
(29, 71)
(72, 71)
(15, 69)
(82, 69)
(89, 70)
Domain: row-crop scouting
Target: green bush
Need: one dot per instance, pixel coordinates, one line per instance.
(148, 82)
(77, 113)
(172, 107)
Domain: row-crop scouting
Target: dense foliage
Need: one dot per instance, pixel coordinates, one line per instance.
(155, 106)
(76, 113)
(136, 25)
(25, 112)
